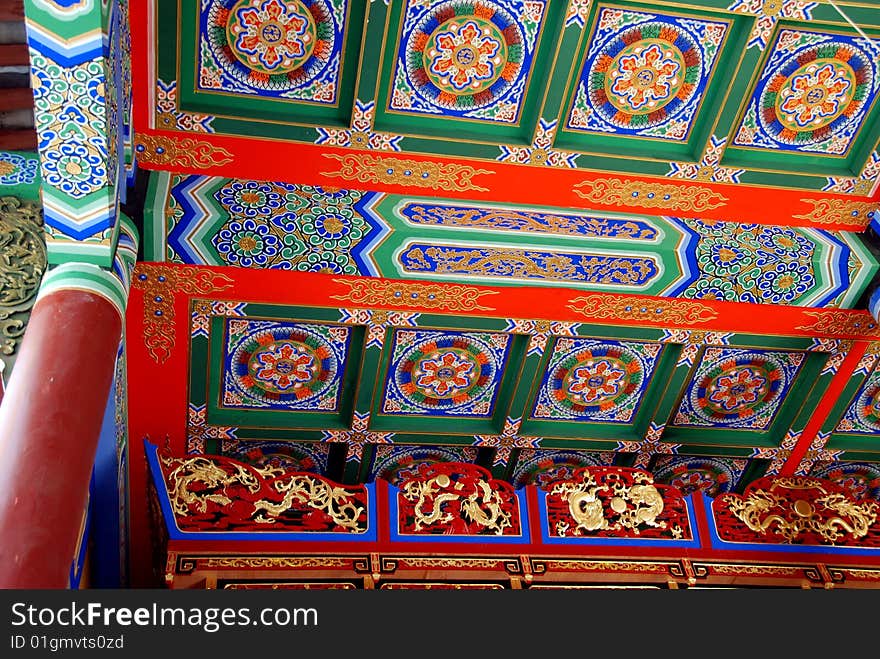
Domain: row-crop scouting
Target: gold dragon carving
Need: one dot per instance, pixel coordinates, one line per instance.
(632, 505)
(483, 506)
(196, 481)
(756, 511)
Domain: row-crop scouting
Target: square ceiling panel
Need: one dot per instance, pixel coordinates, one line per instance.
(645, 73)
(477, 63)
(283, 366)
(282, 60)
(648, 81)
(445, 374)
(273, 373)
(815, 95)
(862, 416)
(737, 388)
(597, 381)
(466, 60)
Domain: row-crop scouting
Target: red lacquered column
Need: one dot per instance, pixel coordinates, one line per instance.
(50, 420)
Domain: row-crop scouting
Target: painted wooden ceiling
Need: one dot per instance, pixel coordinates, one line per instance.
(724, 153)
(739, 110)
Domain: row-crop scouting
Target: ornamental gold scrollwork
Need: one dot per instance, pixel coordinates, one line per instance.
(799, 508)
(634, 308)
(855, 214)
(575, 565)
(367, 168)
(22, 264)
(450, 297)
(837, 322)
(628, 192)
(160, 284)
(207, 493)
(180, 152)
(275, 562)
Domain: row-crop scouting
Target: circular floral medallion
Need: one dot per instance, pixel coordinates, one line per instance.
(464, 56)
(868, 407)
(447, 373)
(284, 364)
(738, 387)
(271, 44)
(860, 478)
(645, 75)
(815, 93)
(593, 378)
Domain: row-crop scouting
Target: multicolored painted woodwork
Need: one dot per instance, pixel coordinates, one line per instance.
(797, 510)
(455, 500)
(601, 503)
(216, 221)
(645, 74)
(684, 351)
(79, 68)
(211, 496)
(690, 474)
(813, 93)
(672, 98)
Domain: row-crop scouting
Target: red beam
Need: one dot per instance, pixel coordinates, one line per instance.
(14, 54)
(11, 10)
(18, 139)
(832, 395)
(17, 98)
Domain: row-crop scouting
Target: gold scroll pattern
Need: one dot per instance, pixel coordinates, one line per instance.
(367, 168)
(160, 283)
(856, 214)
(628, 192)
(450, 297)
(633, 308)
(180, 152)
(781, 511)
(835, 323)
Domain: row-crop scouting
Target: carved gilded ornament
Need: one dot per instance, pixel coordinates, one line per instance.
(280, 562)
(599, 305)
(400, 294)
(798, 509)
(457, 499)
(22, 264)
(368, 168)
(614, 502)
(837, 322)
(628, 192)
(211, 493)
(171, 151)
(160, 284)
(856, 214)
